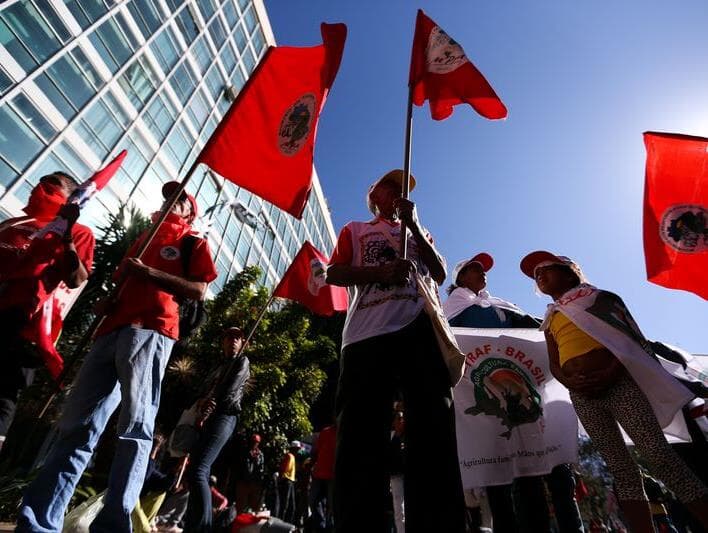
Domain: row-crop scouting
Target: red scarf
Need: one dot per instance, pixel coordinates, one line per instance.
(172, 229)
(44, 202)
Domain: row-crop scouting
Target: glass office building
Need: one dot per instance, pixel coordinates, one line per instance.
(81, 80)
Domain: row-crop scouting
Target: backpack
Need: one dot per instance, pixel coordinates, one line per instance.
(192, 313)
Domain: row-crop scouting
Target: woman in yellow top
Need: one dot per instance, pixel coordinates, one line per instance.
(604, 385)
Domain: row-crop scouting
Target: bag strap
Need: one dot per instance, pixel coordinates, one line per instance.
(186, 250)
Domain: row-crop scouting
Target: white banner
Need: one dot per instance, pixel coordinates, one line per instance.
(513, 418)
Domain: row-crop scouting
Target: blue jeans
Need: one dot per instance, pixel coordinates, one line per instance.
(124, 367)
(215, 434)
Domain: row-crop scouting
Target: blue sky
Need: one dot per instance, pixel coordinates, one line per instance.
(564, 172)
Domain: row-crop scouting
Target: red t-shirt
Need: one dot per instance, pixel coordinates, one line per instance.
(27, 267)
(326, 444)
(143, 303)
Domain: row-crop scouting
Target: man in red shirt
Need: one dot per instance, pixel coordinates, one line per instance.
(125, 366)
(30, 271)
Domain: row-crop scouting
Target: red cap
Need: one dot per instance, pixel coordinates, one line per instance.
(531, 261)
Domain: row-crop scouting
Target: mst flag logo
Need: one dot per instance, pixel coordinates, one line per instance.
(317, 276)
(296, 124)
(685, 228)
(443, 54)
(501, 390)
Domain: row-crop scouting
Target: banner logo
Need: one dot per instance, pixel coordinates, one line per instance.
(502, 390)
(317, 276)
(684, 228)
(443, 54)
(296, 124)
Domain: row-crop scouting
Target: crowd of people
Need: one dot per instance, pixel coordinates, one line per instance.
(378, 468)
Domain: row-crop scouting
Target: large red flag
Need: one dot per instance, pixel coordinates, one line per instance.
(440, 72)
(676, 211)
(266, 141)
(304, 282)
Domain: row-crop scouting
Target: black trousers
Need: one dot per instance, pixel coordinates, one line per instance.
(521, 506)
(370, 372)
(18, 362)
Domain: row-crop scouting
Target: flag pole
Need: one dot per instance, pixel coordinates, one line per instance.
(98, 320)
(255, 324)
(406, 185)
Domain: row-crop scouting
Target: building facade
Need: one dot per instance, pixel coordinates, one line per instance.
(81, 80)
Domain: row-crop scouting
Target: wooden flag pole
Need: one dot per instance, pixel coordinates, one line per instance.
(86, 338)
(406, 186)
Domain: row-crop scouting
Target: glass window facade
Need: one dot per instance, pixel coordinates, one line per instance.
(111, 44)
(86, 12)
(161, 104)
(26, 32)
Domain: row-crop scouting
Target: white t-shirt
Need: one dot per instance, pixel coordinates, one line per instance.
(377, 308)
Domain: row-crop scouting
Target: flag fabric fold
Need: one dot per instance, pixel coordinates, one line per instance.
(676, 211)
(305, 283)
(266, 141)
(441, 73)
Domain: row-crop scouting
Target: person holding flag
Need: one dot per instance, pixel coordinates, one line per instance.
(388, 341)
(31, 269)
(125, 366)
(220, 407)
(597, 351)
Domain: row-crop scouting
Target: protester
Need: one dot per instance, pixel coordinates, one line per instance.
(286, 483)
(220, 409)
(219, 502)
(249, 485)
(388, 342)
(521, 505)
(154, 490)
(469, 303)
(125, 366)
(597, 351)
(173, 510)
(322, 479)
(30, 271)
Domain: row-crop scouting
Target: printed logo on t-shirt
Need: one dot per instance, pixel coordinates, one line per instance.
(169, 252)
(377, 250)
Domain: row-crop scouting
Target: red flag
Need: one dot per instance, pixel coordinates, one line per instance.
(304, 282)
(101, 177)
(266, 141)
(441, 73)
(676, 211)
